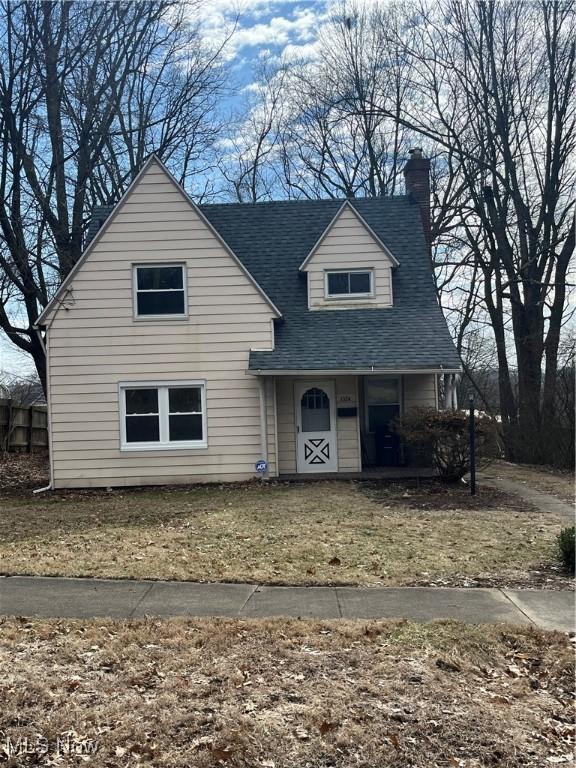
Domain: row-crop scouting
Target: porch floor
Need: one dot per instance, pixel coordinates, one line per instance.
(376, 473)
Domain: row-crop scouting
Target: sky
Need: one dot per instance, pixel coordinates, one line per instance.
(286, 28)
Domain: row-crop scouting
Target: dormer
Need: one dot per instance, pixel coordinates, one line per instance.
(349, 267)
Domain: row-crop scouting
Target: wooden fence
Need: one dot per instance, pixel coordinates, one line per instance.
(23, 428)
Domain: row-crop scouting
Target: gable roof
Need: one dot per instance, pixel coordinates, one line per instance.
(347, 204)
(104, 215)
(272, 240)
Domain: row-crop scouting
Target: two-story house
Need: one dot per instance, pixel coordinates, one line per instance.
(191, 342)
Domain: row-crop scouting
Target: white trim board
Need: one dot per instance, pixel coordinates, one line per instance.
(346, 371)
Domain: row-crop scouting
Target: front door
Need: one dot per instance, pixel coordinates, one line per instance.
(315, 426)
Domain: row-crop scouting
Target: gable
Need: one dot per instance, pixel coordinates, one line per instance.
(349, 252)
(348, 236)
(155, 221)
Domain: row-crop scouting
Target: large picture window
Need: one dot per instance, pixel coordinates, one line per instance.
(159, 290)
(163, 416)
(343, 284)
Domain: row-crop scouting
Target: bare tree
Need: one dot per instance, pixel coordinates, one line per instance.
(497, 91)
(87, 90)
(250, 152)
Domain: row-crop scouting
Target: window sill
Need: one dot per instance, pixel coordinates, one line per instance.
(147, 447)
(155, 318)
(350, 297)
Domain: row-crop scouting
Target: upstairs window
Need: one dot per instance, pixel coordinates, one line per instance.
(349, 284)
(163, 416)
(159, 291)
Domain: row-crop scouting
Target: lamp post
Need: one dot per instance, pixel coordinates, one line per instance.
(472, 435)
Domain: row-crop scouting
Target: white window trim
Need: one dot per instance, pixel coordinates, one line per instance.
(163, 408)
(143, 318)
(347, 296)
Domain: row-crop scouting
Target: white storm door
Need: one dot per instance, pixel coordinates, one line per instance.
(315, 405)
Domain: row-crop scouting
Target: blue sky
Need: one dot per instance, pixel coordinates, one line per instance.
(285, 28)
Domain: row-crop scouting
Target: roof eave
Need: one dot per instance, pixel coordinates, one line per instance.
(346, 371)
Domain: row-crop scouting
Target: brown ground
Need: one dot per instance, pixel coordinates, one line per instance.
(280, 694)
(333, 532)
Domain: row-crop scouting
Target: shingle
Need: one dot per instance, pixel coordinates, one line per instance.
(98, 216)
(272, 239)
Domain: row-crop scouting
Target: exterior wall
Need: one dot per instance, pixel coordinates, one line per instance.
(94, 344)
(349, 245)
(347, 435)
(420, 390)
(286, 425)
(349, 454)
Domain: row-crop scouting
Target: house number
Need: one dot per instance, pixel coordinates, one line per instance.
(346, 399)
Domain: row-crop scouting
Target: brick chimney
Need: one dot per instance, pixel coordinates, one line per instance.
(417, 180)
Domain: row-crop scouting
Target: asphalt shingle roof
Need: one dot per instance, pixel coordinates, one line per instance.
(272, 240)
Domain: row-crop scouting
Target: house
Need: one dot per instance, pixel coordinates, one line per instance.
(191, 342)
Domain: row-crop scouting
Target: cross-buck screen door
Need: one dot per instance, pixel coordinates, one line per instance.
(315, 426)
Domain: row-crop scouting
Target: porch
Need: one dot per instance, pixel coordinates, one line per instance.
(342, 423)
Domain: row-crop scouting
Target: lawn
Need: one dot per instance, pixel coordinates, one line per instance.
(277, 693)
(316, 533)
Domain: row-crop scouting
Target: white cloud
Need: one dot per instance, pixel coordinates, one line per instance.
(261, 23)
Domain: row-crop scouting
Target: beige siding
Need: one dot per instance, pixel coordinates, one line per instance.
(286, 425)
(349, 245)
(347, 428)
(94, 344)
(349, 458)
(271, 433)
(420, 390)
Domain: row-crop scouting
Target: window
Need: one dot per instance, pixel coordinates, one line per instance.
(315, 411)
(159, 290)
(354, 283)
(383, 402)
(163, 416)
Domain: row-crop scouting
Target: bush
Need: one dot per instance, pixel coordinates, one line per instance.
(444, 436)
(566, 549)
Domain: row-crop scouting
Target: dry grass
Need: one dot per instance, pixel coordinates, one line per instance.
(286, 693)
(321, 533)
(553, 481)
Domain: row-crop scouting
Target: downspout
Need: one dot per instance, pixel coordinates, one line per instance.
(263, 421)
(43, 345)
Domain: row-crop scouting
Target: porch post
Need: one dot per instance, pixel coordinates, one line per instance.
(450, 391)
(263, 418)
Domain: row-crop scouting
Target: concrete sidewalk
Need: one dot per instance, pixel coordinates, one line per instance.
(121, 599)
(545, 502)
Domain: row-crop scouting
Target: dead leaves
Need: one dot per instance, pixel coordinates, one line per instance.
(326, 727)
(448, 666)
(394, 740)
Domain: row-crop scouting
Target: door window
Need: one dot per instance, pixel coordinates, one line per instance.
(315, 410)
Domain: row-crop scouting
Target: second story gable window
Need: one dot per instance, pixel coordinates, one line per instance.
(344, 284)
(159, 290)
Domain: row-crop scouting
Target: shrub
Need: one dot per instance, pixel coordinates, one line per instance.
(566, 549)
(444, 436)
